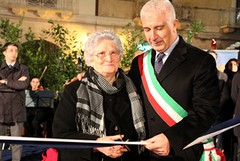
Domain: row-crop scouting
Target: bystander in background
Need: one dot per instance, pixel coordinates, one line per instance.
(14, 80)
(235, 94)
(228, 138)
(224, 98)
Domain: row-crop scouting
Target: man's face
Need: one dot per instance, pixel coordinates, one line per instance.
(11, 54)
(160, 30)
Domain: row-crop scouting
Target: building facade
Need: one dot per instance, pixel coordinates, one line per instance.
(221, 18)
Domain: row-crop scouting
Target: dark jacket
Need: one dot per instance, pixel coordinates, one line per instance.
(189, 76)
(12, 95)
(235, 94)
(64, 125)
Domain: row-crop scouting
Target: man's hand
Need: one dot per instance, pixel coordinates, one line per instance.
(23, 78)
(113, 151)
(80, 76)
(158, 144)
(3, 81)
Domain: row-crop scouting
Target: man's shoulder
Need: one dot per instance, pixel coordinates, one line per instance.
(23, 65)
(190, 50)
(198, 54)
(2, 64)
(73, 85)
(195, 50)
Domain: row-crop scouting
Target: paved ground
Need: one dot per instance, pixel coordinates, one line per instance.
(30, 153)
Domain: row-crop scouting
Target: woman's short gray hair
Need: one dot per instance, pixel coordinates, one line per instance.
(97, 37)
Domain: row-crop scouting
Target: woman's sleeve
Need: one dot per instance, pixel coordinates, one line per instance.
(64, 125)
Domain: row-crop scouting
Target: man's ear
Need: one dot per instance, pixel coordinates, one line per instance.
(176, 23)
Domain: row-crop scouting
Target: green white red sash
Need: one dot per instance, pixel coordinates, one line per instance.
(164, 105)
(211, 153)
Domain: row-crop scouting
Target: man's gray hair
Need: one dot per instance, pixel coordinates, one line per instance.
(96, 38)
(159, 5)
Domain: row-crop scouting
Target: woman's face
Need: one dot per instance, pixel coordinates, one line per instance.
(106, 58)
(34, 84)
(233, 66)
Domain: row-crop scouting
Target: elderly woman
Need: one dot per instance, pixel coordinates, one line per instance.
(103, 106)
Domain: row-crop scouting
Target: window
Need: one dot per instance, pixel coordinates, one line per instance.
(46, 3)
(238, 12)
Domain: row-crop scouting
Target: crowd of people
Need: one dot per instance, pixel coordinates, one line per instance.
(165, 100)
(226, 141)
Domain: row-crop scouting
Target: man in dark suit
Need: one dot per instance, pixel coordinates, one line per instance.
(181, 101)
(14, 79)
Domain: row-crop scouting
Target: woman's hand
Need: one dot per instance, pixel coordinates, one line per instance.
(112, 151)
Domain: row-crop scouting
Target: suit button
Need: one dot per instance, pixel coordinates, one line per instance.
(116, 128)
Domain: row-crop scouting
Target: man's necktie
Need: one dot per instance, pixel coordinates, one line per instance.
(10, 67)
(159, 62)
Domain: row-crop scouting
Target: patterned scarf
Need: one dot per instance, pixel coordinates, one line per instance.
(90, 114)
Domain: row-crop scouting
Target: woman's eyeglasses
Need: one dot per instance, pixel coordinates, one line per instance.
(103, 55)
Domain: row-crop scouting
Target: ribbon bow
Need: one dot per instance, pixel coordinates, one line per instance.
(211, 153)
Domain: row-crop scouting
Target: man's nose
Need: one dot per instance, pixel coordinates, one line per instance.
(153, 35)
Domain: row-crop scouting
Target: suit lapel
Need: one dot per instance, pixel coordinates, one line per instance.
(175, 59)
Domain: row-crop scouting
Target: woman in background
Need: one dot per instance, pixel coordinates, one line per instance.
(231, 67)
(228, 138)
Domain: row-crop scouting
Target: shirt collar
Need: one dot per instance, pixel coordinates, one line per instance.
(12, 64)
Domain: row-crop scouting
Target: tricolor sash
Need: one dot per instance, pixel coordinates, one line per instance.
(164, 105)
